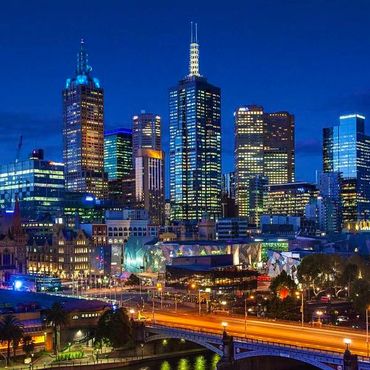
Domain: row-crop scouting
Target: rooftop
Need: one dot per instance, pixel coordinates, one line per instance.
(12, 298)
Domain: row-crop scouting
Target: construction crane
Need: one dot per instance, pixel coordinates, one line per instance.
(19, 149)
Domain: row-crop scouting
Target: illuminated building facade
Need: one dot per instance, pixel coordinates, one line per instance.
(249, 151)
(38, 184)
(66, 253)
(228, 195)
(118, 153)
(279, 162)
(264, 148)
(330, 189)
(13, 247)
(146, 132)
(289, 199)
(347, 150)
(195, 145)
(83, 131)
(122, 191)
(149, 183)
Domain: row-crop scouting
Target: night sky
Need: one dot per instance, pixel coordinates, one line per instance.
(310, 58)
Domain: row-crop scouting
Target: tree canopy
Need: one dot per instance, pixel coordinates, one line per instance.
(114, 326)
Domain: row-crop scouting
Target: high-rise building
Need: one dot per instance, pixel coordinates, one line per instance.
(289, 199)
(146, 132)
(228, 204)
(149, 183)
(118, 153)
(195, 144)
(122, 191)
(264, 146)
(38, 184)
(248, 153)
(228, 184)
(347, 150)
(330, 190)
(278, 136)
(83, 130)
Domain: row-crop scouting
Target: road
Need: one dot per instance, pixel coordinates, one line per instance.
(278, 332)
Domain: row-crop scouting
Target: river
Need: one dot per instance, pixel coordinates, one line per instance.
(204, 361)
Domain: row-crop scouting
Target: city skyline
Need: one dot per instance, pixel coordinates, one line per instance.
(319, 99)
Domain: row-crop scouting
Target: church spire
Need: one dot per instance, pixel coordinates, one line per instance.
(82, 66)
(194, 51)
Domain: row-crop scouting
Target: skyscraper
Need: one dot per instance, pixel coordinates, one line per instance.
(37, 184)
(278, 136)
(146, 132)
(195, 144)
(149, 183)
(248, 153)
(118, 153)
(149, 165)
(83, 130)
(347, 150)
(264, 151)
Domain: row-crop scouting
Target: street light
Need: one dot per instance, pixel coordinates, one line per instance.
(319, 314)
(224, 325)
(132, 311)
(347, 342)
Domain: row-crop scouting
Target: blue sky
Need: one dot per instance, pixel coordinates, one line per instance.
(310, 58)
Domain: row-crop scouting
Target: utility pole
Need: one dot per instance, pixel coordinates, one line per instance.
(245, 317)
(199, 303)
(153, 306)
(302, 307)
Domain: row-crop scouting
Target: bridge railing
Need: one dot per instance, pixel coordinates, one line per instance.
(211, 332)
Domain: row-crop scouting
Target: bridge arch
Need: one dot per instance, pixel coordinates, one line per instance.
(293, 356)
(214, 347)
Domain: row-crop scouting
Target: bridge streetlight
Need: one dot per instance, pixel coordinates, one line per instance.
(319, 314)
(224, 325)
(347, 342)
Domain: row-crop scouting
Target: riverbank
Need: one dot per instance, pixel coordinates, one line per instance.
(114, 363)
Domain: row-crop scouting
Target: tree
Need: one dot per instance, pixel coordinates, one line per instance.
(360, 295)
(321, 272)
(11, 330)
(133, 280)
(114, 326)
(28, 345)
(286, 309)
(57, 317)
(283, 282)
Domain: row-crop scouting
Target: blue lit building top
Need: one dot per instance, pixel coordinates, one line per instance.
(117, 131)
(83, 71)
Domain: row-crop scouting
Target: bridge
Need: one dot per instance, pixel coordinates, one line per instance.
(236, 350)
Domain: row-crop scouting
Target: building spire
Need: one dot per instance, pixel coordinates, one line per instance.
(194, 51)
(82, 66)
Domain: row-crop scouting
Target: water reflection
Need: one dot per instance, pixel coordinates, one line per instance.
(206, 361)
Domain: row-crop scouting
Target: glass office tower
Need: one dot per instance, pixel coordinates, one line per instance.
(195, 145)
(149, 183)
(249, 153)
(37, 183)
(278, 136)
(347, 150)
(118, 153)
(83, 130)
(264, 151)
